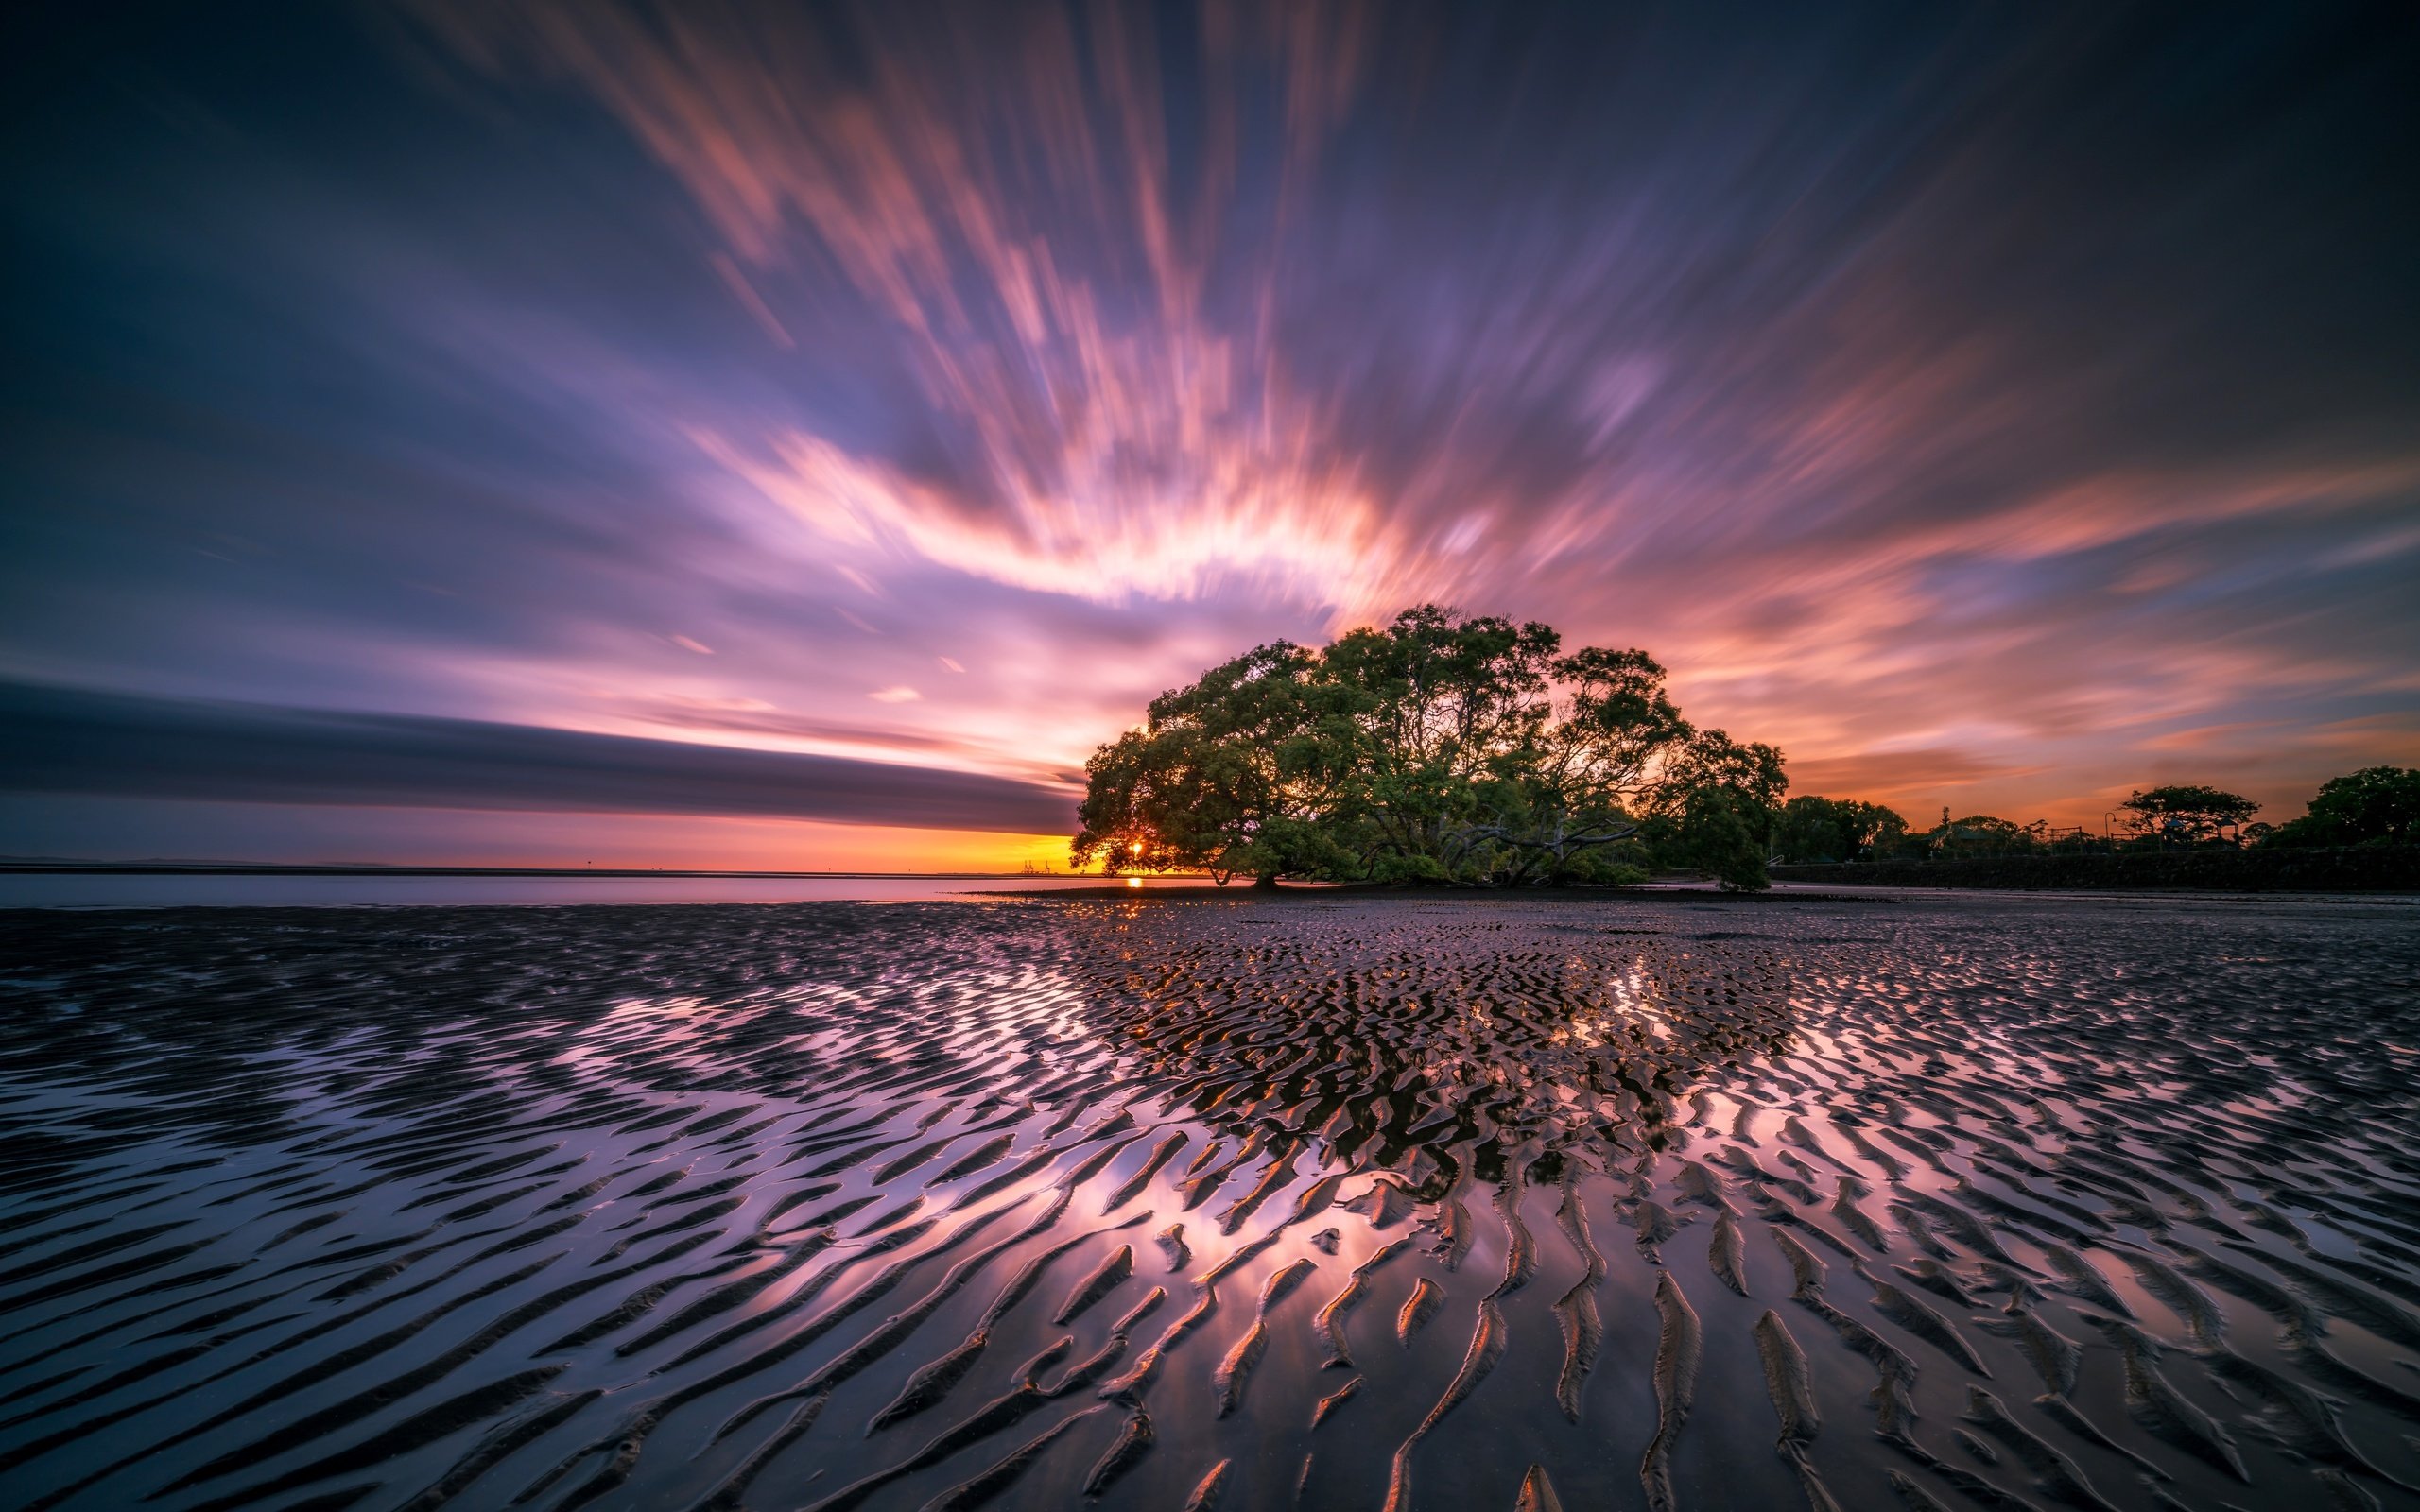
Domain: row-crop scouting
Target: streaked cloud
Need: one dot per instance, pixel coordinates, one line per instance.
(2002, 410)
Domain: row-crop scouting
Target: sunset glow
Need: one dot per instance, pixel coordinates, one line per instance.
(1227, 754)
(1958, 406)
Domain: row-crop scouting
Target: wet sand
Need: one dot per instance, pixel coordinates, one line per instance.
(1637, 1202)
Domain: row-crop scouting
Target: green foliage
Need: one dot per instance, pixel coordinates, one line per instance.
(1231, 774)
(1433, 750)
(2376, 805)
(1716, 830)
(1818, 830)
(1600, 869)
(1716, 808)
(2187, 812)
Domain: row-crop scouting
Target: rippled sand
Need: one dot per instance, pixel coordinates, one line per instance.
(1328, 1202)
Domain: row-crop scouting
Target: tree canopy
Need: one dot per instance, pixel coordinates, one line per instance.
(1831, 828)
(2376, 805)
(1435, 749)
(2186, 811)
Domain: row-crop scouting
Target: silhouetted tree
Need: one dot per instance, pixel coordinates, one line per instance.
(1815, 829)
(2187, 812)
(1977, 834)
(2376, 805)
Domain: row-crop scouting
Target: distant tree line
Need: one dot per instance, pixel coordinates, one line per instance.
(2376, 805)
(1437, 749)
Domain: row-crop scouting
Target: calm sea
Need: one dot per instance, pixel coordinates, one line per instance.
(123, 890)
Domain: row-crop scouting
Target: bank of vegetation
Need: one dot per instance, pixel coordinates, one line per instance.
(2360, 833)
(1479, 752)
(2250, 869)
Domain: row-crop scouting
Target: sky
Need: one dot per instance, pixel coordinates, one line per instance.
(796, 435)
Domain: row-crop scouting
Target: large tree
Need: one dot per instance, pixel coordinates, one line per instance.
(2376, 805)
(1715, 806)
(1447, 713)
(1233, 774)
(2188, 812)
(1433, 749)
(1593, 759)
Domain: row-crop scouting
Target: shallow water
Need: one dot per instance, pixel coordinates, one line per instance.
(1329, 1202)
(275, 889)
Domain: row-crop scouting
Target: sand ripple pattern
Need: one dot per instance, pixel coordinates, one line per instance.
(1335, 1202)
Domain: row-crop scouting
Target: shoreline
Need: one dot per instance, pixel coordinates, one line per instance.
(1945, 879)
(1781, 892)
(37, 891)
(279, 868)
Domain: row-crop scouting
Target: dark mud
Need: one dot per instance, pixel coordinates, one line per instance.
(1648, 1203)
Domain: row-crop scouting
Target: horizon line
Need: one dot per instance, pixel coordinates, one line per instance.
(205, 868)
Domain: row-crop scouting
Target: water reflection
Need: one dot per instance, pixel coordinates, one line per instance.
(1328, 1203)
(1436, 1042)
(30, 888)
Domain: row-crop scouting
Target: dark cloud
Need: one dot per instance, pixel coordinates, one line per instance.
(82, 742)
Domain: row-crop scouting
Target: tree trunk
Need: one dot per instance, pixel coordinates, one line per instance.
(1265, 882)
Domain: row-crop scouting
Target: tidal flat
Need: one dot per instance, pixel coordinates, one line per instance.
(1629, 1202)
